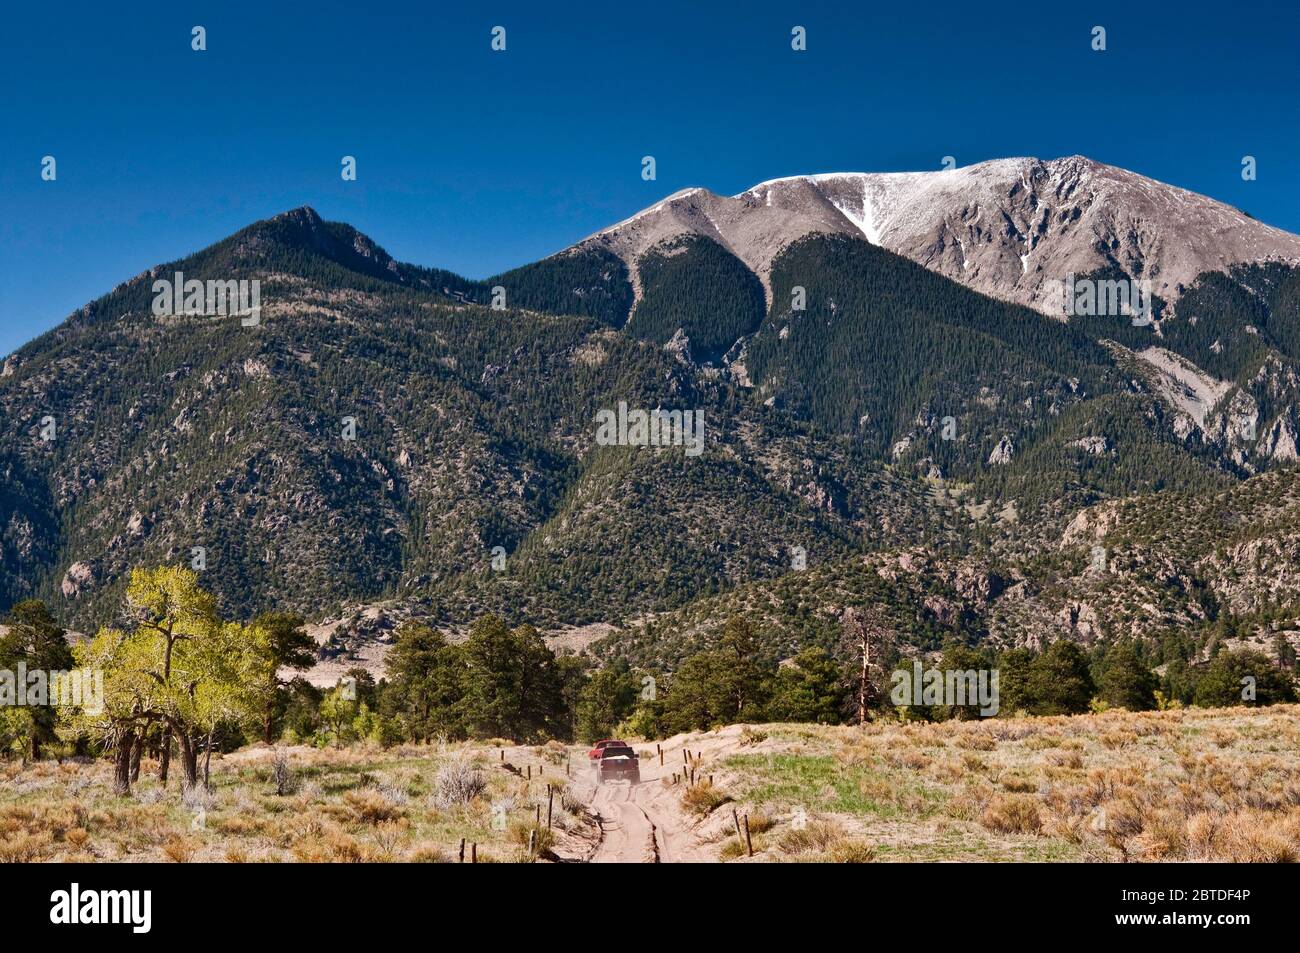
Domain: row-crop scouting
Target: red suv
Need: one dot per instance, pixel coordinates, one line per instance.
(594, 753)
(618, 762)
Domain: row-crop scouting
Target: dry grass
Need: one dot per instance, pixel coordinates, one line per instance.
(1185, 785)
(411, 803)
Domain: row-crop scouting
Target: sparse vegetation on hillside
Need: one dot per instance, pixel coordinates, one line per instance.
(1190, 785)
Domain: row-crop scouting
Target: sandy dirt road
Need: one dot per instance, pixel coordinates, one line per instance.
(627, 833)
(644, 823)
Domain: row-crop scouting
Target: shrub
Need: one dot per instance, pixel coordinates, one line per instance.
(24, 848)
(812, 836)
(282, 775)
(554, 752)
(428, 854)
(539, 837)
(1012, 814)
(196, 798)
(1066, 759)
(458, 782)
(1018, 785)
(333, 847)
(703, 798)
(179, 850)
(371, 807)
(850, 851)
(732, 848)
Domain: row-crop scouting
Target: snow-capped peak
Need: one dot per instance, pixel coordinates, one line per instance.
(1013, 228)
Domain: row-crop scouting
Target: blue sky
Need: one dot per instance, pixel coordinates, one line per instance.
(477, 161)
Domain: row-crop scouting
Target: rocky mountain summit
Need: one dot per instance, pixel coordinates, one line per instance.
(1007, 227)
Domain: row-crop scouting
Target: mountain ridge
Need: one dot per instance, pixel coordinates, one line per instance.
(828, 426)
(935, 218)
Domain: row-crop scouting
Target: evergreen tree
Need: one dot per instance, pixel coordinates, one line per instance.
(1285, 652)
(39, 643)
(1125, 680)
(1059, 681)
(1245, 677)
(963, 658)
(1014, 666)
(426, 683)
(285, 643)
(608, 698)
(513, 687)
(809, 688)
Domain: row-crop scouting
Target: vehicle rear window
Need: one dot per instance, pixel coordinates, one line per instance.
(618, 753)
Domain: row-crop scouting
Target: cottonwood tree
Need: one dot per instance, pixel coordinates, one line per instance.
(339, 709)
(178, 668)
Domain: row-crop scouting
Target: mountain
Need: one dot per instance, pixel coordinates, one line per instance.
(1212, 375)
(474, 430)
(394, 441)
(1007, 227)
